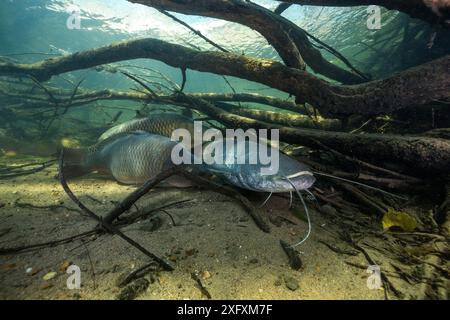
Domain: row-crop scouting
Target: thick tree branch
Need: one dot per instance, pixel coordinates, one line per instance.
(432, 11)
(289, 40)
(426, 154)
(254, 17)
(418, 86)
(413, 152)
(284, 119)
(282, 7)
(430, 155)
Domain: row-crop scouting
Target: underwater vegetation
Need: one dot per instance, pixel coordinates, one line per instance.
(355, 95)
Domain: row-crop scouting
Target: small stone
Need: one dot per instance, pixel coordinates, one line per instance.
(64, 266)
(206, 275)
(294, 258)
(46, 286)
(327, 209)
(35, 272)
(152, 225)
(190, 252)
(275, 220)
(278, 282)
(29, 270)
(49, 276)
(76, 296)
(291, 283)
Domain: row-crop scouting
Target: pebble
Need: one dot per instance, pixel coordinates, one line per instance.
(327, 209)
(291, 283)
(64, 266)
(76, 296)
(190, 252)
(35, 272)
(46, 286)
(49, 276)
(29, 270)
(206, 275)
(152, 225)
(278, 282)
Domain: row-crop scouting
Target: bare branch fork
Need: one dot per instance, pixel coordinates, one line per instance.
(107, 225)
(419, 86)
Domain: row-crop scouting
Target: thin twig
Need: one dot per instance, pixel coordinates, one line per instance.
(107, 226)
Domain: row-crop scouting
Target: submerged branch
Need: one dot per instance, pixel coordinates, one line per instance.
(412, 152)
(104, 223)
(417, 86)
(37, 101)
(284, 119)
(432, 11)
(289, 40)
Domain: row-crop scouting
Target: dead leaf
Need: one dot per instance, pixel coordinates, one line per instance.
(49, 276)
(64, 266)
(400, 219)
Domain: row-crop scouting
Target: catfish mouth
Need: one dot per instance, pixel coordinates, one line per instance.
(301, 180)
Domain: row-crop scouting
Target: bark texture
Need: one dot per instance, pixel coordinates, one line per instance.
(419, 86)
(289, 40)
(432, 11)
(412, 152)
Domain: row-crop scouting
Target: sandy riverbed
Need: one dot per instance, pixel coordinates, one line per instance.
(212, 237)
